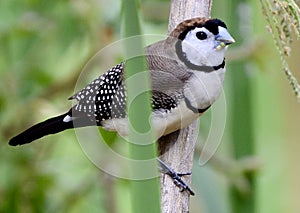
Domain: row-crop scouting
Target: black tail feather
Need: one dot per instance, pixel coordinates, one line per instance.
(50, 126)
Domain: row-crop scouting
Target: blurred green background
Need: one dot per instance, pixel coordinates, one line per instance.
(43, 47)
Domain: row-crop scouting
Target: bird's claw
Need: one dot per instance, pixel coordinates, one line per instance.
(176, 177)
(179, 182)
(184, 174)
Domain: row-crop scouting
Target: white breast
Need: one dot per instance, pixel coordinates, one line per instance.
(176, 119)
(204, 88)
(162, 123)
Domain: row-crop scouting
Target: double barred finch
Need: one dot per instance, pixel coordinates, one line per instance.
(187, 71)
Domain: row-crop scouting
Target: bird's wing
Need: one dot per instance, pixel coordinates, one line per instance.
(98, 98)
(105, 97)
(110, 80)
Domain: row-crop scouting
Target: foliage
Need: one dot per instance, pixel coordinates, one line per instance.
(284, 19)
(43, 47)
(44, 44)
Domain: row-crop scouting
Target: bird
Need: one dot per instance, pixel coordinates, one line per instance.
(186, 73)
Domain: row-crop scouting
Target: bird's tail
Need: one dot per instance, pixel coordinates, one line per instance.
(50, 126)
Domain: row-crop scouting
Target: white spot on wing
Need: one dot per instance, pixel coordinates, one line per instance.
(67, 119)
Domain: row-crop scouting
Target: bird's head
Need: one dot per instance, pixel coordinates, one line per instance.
(202, 41)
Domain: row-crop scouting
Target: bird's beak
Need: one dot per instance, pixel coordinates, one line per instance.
(223, 38)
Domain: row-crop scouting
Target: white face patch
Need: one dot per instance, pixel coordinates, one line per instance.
(200, 50)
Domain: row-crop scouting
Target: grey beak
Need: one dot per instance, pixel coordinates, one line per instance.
(224, 36)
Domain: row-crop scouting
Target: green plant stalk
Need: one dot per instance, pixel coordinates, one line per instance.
(145, 193)
(241, 119)
(242, 135)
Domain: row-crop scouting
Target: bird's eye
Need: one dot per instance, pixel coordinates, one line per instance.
(201, 35)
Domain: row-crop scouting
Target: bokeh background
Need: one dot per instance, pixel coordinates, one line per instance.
(43, 47)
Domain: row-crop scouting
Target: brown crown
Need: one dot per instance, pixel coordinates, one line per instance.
(187, 24)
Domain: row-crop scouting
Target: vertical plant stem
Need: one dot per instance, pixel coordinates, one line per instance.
(145, 193)
(241, 110)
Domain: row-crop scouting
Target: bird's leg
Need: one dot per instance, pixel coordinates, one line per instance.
(164, 168)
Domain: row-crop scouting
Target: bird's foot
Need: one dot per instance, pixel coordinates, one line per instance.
(164, 168)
